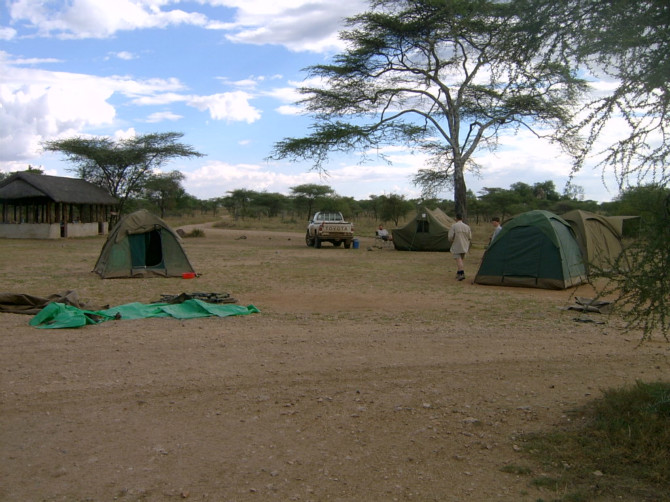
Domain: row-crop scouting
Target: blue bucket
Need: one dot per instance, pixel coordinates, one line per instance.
(355, 243)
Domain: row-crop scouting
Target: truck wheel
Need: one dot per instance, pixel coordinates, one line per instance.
(317, 242)
(347, 244)
(308, 240)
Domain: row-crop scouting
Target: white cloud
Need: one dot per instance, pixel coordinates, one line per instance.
(125, 55)
(35, 61)
(248, 83)
(289, 110)
(98, 19)
(161, 98)
(251, 82)
(7, 33)
(214, 179)
(127, 134)
(300, 25)
(163, 116)
(284, 94)
(230, 106)
(36, 105)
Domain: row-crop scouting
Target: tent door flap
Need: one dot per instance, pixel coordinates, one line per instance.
(146, 250)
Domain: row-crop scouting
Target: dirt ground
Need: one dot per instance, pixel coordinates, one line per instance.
(369, 375)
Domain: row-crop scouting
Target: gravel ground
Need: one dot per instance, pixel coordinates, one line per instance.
(368, 375)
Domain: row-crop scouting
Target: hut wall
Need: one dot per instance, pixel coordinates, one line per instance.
(52, 221)
(30, 231)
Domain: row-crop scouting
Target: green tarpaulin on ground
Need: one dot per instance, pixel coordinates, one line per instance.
(59, 315)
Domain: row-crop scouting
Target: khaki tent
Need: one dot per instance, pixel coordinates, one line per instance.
(142, 245)
(598, 239)
(626, 226)
(536, 249)
(428, 231)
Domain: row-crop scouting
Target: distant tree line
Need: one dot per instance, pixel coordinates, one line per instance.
(165, 195)
(306, 199)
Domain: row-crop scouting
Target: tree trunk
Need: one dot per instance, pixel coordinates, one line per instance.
(460, 190)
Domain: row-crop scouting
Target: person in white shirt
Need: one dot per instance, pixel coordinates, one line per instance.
(383, 234)
(460, 237)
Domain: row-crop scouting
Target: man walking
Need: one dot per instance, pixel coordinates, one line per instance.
(460, 237)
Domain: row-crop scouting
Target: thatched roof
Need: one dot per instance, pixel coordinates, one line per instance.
(24, 185)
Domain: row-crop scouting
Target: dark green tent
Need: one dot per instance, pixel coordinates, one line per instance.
(142, 245)
(428, 231)
(536, 249)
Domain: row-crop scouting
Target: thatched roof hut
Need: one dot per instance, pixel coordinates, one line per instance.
(43, 206)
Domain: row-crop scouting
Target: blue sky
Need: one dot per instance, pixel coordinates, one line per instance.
(223, 73)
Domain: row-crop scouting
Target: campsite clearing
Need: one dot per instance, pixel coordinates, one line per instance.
(379, 377)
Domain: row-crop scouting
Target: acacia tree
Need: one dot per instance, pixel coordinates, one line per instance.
(445, 77)
(121, 166)
(164, 190)
(238, 202)
(393, 207)
(628, 43)
(306, 195)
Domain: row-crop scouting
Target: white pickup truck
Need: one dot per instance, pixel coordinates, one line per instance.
(328, 226)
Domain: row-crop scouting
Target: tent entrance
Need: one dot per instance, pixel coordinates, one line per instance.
(146, 250)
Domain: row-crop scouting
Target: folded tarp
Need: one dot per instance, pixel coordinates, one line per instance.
(59, 315)
(22, 303)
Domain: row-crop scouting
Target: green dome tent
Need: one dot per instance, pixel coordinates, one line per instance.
(536, 249)
(142, 245)
(428, 231)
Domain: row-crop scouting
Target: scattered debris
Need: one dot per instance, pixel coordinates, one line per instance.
(205, 297)
(587, 320)
(590, 305)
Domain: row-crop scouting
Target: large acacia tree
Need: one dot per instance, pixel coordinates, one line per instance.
(122, 167)
(442, 76)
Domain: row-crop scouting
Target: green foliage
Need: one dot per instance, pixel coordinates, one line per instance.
(624, 437)
(196, 232)
(393, 207)
(630, 43)
(640, 279)
(308, 195)
(521, 197)
(164, 190)
(516, 469)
